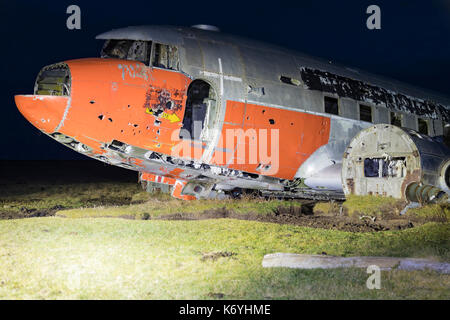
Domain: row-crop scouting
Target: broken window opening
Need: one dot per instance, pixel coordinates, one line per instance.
(54, 80)
(200, 111)
(289, 80)
(127, 49)
(385, 167)
(165, 56)
(331, 105)
(396, 119)
(258, 91)
(422, 126)
(365, 113)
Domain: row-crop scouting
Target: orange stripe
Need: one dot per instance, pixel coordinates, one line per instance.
(300, 135)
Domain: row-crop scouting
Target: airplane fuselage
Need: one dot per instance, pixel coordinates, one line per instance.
(209, 114)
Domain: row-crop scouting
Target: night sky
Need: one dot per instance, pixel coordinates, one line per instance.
(412, 46)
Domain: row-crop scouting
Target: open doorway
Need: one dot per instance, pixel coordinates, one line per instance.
(200, 111)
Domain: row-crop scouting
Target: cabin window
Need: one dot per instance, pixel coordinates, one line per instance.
(365, 113)
(127, 49)
(165, 56)
(331, 105)
(422, 126)
(289, 80)
(396, 119)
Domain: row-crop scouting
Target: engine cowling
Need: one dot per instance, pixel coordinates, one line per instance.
(385, 159)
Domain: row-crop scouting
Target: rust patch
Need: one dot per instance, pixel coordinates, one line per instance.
(411, 177)
(161, 99)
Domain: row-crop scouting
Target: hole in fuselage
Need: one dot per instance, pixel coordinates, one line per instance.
(200, 105)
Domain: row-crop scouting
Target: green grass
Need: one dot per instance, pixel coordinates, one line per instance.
(106, 258)
(432, 212)
(75, 195)
(164, 204)
(385, 207)
(372, 205)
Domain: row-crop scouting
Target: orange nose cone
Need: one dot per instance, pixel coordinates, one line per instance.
(44, 112)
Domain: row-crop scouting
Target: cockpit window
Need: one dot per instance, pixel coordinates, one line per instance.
(127, 49)
(165, 56)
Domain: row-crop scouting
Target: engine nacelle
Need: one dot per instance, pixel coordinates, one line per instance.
(385, 159)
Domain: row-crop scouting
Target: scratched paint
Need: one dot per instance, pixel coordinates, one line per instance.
(133, 71)
(300, 134)
(122, 111)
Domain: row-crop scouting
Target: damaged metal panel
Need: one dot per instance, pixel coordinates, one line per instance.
(275, 92)
(385, 159)
(53, 80)
(128, 113)
(346, 87)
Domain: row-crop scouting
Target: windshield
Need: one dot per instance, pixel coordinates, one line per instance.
(127, 49)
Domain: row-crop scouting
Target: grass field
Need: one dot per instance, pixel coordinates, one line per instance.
(86, 249)
(106, 258)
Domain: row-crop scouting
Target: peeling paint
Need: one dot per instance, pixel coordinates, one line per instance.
(345, 87)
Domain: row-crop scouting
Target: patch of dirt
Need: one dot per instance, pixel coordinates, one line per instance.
(27, 213)
(216, 255)
(105, 201)
(295, 217)
(216, 295)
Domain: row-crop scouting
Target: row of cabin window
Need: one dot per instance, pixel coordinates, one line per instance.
(160, 55)
(365, 114)
(166, 56)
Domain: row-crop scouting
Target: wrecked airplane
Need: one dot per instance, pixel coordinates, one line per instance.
(202, 114)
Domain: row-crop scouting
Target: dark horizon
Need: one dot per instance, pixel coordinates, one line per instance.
(412, 45)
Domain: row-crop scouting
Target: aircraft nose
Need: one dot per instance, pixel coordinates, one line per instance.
(44, 112)
(47, 107)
